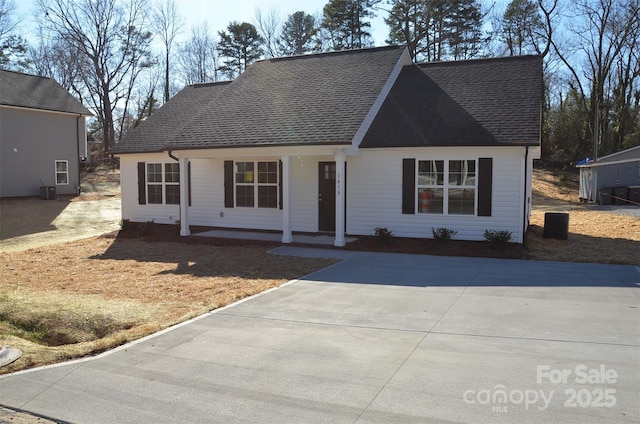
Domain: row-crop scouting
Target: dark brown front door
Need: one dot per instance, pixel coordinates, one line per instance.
(327, 196)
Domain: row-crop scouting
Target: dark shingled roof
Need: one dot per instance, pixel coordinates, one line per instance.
(484, 102)
(34, 92)
(312, 99)
(153, 133)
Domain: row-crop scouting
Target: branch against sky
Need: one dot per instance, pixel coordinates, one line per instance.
(113, 45)
(167, 24)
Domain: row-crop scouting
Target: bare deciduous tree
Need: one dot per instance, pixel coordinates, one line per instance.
(13, 47)
(268, 26)
(167, 24)
(112, 42)
(602, 30)
(198, 56)
(58, 60)
(7, 23)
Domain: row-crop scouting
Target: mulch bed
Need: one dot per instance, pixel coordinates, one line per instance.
(171, 233)
(441, 248)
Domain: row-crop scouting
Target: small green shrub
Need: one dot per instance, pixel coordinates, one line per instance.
(147, 228)
(443, 234)
(497, 239)
(383, 235)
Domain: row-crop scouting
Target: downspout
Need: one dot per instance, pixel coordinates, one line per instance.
(526, 199)
(172, 156)
(78, 151)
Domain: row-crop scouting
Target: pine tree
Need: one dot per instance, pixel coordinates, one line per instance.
(408, 22)
(464, 29)
(240, 46)
(345, 23)
(521, 23)
(297, 34)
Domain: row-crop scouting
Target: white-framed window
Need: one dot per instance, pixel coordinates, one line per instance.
(163, 183)
(256, 184)
(62, 172)
(447, 187)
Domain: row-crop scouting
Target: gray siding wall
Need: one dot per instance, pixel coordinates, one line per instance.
(618, 175)
(30, 143)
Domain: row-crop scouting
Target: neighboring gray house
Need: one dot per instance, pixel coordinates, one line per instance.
(612, 178)
(342, 143)
(42, 136)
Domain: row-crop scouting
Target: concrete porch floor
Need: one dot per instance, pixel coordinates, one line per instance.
(318, 239)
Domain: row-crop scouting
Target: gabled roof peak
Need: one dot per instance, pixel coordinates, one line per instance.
(332, 53)
(479, 59)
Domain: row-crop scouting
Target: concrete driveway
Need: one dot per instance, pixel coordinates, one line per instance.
(377, 338)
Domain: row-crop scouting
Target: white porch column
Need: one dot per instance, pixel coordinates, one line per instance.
(340, 203)
(184, 197)
(287, 237)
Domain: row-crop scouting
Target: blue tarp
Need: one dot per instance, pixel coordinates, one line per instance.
(585, 161)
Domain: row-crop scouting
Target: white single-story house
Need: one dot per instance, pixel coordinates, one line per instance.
(612, 178)
(42, 136)
(343, 143)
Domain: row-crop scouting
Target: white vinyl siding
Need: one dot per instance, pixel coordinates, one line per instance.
(374, 193)
(159, 213)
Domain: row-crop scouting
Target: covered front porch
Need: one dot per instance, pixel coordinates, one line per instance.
(306, 204)
(271, 236)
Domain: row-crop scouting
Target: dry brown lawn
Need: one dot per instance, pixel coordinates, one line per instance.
(80, 298)
(594, 236)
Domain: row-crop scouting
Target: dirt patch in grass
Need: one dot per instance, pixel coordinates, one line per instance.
(81, 298)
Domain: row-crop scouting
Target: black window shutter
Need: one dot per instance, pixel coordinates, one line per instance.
(485, 186)
(189, 180)
(142, 183)
(409, 186)
(228, 183)
(280, 183)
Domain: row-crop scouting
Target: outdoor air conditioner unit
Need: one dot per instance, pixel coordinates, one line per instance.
(48, 192)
